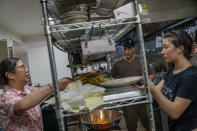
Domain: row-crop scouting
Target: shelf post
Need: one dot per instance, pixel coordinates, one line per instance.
(144, 66)
(47, 30)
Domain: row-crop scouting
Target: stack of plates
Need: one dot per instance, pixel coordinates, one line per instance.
(75, 17)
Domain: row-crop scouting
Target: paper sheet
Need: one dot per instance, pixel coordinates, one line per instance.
(93, 102)
(74, 85)
(76, 98)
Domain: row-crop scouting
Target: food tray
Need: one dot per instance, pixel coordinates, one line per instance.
(121, 82)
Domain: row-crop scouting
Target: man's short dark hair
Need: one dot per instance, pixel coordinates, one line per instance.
(128, 42)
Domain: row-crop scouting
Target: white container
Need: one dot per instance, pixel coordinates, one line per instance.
(96, 49)
(125, 11)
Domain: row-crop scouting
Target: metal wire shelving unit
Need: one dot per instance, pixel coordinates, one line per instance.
(59, 32)
(111, 104)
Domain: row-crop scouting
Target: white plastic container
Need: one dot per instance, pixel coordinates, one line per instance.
(125, 11)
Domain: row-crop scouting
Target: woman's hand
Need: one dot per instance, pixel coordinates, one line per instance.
(62, 83)
(151, 85)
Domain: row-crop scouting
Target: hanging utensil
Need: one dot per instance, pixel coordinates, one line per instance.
(108, 37)
(86, 39)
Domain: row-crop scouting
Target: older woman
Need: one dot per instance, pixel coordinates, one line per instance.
(177, 92)
(19, 104)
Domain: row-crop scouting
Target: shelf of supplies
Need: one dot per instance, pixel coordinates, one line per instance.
(119, 97)
(92, 24)
(125, 102)
(115, 104)
(69, 37)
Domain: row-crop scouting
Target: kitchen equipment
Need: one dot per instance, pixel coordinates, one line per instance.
(105, 7)
(75, 13)
(96, 49)
(64, 6)
(101, 120)
(125, 11)
(121, 82)
(75, 17)
(82, 7)
(112, 3)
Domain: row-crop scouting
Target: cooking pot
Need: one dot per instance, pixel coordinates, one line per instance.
(101, 120)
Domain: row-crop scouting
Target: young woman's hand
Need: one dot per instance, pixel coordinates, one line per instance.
(151, 85)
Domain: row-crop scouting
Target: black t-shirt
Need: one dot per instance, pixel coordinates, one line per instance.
(183, 84)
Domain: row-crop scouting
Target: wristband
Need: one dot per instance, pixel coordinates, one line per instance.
(51, 88)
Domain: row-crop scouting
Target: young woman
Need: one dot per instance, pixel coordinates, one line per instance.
(19, 104)
(177, 92)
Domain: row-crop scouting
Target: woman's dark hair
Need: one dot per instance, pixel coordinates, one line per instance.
(181, 38)
(7, 65)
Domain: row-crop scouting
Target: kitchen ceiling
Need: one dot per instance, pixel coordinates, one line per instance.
(22, 17)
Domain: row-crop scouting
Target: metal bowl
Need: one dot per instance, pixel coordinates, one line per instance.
(101, 120)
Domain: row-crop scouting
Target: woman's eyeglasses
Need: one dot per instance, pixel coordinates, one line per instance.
(21, 67)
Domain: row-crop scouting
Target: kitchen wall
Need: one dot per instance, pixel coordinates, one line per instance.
(8, 37)
(39, 60)
(38, 56)
(6, 34)
(3, 50)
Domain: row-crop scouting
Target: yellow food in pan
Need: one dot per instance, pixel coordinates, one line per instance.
(92, 78)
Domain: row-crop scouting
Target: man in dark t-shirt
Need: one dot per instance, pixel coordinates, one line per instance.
(126, 67)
